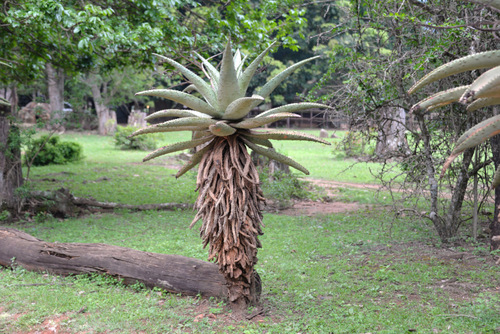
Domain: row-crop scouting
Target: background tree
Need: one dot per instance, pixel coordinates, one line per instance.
(382, 46)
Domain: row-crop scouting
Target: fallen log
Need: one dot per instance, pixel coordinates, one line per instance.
(61, 203)
(173, 273)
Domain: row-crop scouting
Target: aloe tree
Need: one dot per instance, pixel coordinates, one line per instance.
(230, 199)
(482, 92)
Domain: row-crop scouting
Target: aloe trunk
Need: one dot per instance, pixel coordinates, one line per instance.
(229, 204)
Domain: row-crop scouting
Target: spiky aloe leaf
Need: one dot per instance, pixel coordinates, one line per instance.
(237, 62)
(293, 107)
(251, 123)
(270, 153)
(482, 103)
(476, 61)
(221, 129)
(201, 86)
(284, 135)
(274, 82)
(212, 72)
(189, 101)
(249, 72)
(440, 99)
(473, 137)
(492, 3)
(228, 89)
(487, 85)
(197, 122)
(159, 129)
(239, 71)
(239, 108)
(258, 141)
(195, 159)
(177, 147)
(176, 113)
(4, 102)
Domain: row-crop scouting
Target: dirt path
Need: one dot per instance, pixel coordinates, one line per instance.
(312, 208)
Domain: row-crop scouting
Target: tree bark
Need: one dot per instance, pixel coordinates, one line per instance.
(174, 273)
(106, 117)
(495, 223)
(391, 136)
(55, 83)
(11, 175)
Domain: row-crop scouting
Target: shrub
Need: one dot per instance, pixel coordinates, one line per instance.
(354, 145)
(48, 150)
(136, 143)
(80, 121)
(282, 187)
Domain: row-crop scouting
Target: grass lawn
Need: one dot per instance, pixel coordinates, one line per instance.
(355, 272)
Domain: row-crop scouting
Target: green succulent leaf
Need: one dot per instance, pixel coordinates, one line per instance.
(195, 160)
(482, 103)
(239, 108)
(473, 137)
(176, 113)
(272, 154)
(278, 79)
(212, 72)
(440, 99)
(4, 102)
(177, 147)
(293, 107)
(487, 85)
(189, 101)
(492, 3)
(251, 123)
(476, 61)
(198, 122)
(228, 89)
(238, 64)
(201, 86)
(159, 129)
(284, 135)
(221, 129)
(249, 72)
(258, 141)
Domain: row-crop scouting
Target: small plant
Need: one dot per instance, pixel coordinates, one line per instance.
(4, 215)
(49, 150)
(282, 187)
(125, 142)
(354, 145)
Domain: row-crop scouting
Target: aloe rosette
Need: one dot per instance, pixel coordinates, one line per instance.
(223, 109)
(230, 199)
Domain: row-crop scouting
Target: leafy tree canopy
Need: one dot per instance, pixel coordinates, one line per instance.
(82, 36)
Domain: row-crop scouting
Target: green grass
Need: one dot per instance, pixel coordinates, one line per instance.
(337, 273)
(355, 272)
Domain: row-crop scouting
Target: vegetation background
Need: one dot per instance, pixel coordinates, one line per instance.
(417, 256)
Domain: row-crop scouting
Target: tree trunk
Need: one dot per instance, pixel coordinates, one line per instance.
(11, 175)
(391, 136)
(106, 117)
(495, 223)
(174, 273)
(229, 204)
(55, 83)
